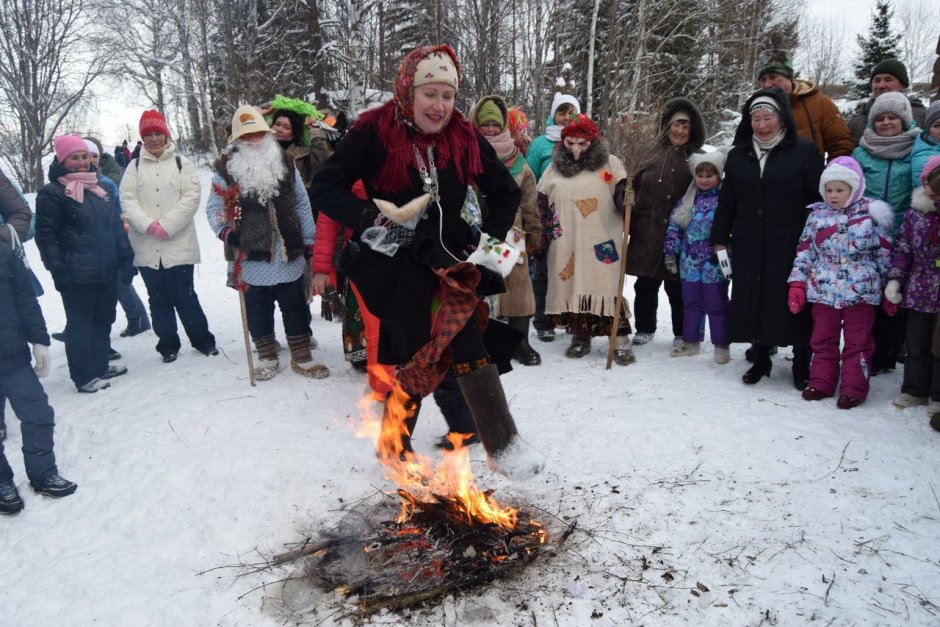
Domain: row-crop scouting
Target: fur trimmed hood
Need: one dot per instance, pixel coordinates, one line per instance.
(881, 213)
(592, 159)
(920, 202)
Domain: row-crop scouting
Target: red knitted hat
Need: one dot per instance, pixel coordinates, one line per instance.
(581, 126)
(151, 121)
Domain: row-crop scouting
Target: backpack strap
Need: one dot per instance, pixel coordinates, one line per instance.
(179, 164)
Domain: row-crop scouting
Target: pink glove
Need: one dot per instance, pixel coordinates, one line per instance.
(156, 230)
(890, 308)
(797, 297)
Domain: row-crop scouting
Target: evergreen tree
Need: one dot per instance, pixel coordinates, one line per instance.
(880, 44)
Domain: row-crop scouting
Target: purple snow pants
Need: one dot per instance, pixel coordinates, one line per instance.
(701, 299)
(854, 325)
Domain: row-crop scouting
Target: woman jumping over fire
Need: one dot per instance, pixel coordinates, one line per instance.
(416, 156)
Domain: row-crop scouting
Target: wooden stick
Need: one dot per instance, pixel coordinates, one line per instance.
(618, 302)
(251, 361)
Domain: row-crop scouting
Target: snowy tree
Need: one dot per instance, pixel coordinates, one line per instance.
(821, 56)
(46, 69)
(918, 23)
(880, 44)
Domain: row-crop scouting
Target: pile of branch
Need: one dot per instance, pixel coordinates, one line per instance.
(394, 565)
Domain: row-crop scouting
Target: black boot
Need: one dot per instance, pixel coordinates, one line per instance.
(524, 354)
(801, 359)
(749, 353)
(508, 453)
(761, 367)
(404, 407)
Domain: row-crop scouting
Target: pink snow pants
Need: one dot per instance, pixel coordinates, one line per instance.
(853, 325)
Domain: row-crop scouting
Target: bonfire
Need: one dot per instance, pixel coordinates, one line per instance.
(447, 535)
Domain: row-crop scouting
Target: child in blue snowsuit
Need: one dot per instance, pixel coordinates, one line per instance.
(704, 287)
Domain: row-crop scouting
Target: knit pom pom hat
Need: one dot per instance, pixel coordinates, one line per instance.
(930, 175)
(931, 115)
(66, 145)
(152, 121)
(561, 99)
(847, 170)
(891, 102)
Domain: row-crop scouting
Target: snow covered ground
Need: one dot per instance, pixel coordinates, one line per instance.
(698, 500)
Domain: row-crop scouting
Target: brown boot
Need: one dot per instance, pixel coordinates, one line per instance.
(267, 365)
(508, 453)
(301, 360)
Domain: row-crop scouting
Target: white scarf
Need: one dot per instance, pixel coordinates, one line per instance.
(763, 148)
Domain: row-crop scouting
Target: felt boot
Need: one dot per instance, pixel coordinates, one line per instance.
(267, 365)
(301, 360)
(398, 423)
(508, 453)
(525, 354)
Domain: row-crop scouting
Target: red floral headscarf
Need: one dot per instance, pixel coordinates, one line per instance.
(581, 126)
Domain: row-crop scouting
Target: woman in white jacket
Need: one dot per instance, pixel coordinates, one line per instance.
(160, 195)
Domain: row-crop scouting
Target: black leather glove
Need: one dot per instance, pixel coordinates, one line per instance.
(490, 282)
(231, 237)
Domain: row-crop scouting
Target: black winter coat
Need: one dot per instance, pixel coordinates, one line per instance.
(760, 219)
(399, 289)
(21, 321)
(79, 244)
(14, 210)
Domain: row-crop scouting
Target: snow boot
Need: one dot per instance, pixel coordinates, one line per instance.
(686, 349)
(801, 358)
(623, 353)
(54, 486)
(525, 354)
(749, 353)
(761, 367)
(301, 360)
(812, 394)
(848, 402)
(267, 365)
(93, 386)
(722, 355)
(905, 400)
(642, 338)
(10, 501)
(580, 346)
(508, 453)
(546, 335)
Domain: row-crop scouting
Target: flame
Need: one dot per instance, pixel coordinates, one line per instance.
(414, 474)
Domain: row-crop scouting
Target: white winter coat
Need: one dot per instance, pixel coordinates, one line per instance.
(154, 188)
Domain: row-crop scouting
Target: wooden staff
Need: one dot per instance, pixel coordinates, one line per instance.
(251, 361)
(618, 301)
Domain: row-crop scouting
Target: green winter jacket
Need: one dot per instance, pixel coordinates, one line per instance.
(540, 153)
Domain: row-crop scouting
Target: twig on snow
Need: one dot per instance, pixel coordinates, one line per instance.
(175, 433)
(934, 494)
(828, 589)
(838, 466)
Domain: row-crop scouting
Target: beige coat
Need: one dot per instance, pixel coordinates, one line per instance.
(156, 189)
(518, 299)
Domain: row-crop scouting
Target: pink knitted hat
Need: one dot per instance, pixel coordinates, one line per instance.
(66, 145)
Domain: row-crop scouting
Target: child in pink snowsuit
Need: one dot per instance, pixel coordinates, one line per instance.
(840, 265)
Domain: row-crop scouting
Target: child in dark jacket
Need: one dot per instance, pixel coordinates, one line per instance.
(914, 284)
(19, 382)
(839, 267)
(687, 251)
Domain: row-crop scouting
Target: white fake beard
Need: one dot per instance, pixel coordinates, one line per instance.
(258, 168)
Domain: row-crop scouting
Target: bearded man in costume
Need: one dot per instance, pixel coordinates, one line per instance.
(259, 208)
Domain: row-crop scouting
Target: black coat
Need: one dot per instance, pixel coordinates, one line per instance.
(14, 210)
(79, 244)
(399, 289)
(21, 321)
(760, 219)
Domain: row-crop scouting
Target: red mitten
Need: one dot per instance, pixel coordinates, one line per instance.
(890, 308)
(796, 299)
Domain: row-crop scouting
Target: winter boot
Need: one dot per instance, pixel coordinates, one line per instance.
(761, 367)
(93, 386)
(722, 355)
(398, 423)
(848, 402)
(301, 361)
(812, 394)
(10, 501)
(749, 353)
(580, 346)
(623, 353)
(905, 400)
(54, 486)
(801, 357)
(642, 338)
(267, 365)
(508, 453)
(686, 349)
(524, 354)
(546, 335)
